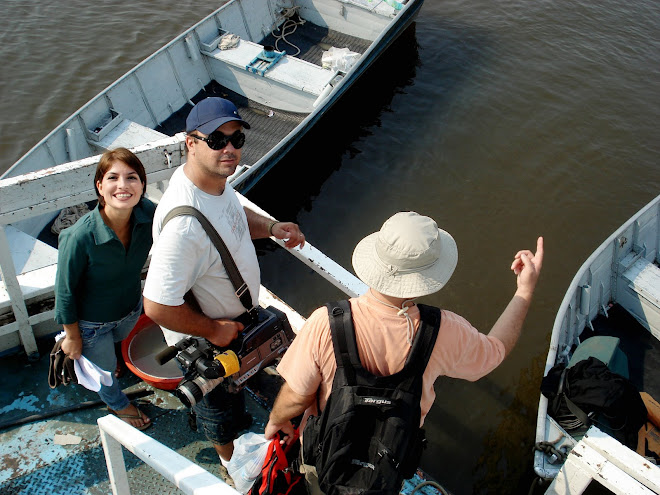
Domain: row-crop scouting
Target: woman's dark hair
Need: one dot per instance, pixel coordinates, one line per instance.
(122, 155)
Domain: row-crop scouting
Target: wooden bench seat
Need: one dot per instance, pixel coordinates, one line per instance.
(640, 292)
(126, 134)
(291, 84)
(378, 6)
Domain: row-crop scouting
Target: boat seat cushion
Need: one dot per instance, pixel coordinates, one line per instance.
(606, 349)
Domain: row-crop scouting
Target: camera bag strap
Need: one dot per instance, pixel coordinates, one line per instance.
(240, 287)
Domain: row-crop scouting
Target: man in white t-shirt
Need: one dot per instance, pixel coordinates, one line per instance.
(184, 258)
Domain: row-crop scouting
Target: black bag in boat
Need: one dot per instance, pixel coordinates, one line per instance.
(590, 393)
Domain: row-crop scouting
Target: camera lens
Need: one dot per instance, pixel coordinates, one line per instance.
(190, 392)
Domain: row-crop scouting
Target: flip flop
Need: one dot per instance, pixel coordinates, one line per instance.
(132, 416)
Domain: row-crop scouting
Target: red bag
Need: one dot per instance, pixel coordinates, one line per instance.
(280, 474)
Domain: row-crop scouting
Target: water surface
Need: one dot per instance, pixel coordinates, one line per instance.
(502, 120)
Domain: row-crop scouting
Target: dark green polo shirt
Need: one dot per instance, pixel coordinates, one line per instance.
(97, 278)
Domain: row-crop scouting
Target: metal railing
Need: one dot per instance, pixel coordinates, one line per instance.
(184, 474)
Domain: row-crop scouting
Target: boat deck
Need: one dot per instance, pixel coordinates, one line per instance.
(33, 463)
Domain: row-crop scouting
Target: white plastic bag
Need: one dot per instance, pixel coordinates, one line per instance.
(339, 59)
(250, 450)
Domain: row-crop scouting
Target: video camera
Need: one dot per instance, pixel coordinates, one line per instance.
(267, 334)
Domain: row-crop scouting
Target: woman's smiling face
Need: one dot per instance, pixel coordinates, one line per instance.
(121, 186)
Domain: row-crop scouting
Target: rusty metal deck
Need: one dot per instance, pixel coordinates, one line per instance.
(32, 463)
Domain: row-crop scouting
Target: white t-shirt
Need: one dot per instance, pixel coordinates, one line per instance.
(183, 256)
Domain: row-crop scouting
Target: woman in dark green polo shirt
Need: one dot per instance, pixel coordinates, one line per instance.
(98, 296)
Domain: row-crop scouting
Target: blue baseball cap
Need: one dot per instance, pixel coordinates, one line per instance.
(211, 113)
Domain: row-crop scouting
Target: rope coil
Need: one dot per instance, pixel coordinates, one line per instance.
(288, 28)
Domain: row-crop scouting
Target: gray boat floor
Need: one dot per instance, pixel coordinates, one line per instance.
(269, 126)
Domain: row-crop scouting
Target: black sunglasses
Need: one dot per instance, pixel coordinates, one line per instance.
(217, 140)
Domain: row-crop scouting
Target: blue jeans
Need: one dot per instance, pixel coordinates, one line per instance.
(221, 414)
(99, 347)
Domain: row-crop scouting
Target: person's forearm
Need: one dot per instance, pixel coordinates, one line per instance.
(289, 405)
(72, 345)
(259, 225)
(184, 319)
(508, 326)
(72, 330)
(181, 319)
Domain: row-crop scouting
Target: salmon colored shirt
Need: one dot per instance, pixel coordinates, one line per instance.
(382, 337)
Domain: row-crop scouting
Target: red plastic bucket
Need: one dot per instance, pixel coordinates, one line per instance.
(139, 350)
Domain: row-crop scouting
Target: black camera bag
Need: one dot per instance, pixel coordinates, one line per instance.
(591, 393)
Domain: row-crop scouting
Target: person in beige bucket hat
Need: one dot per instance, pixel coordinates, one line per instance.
(409, 257)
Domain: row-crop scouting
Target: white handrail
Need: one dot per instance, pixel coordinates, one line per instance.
(600, 457)
(326, 267)
(185, 475)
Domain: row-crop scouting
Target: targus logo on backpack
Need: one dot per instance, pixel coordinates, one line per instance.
(363, 464)
(376, 401)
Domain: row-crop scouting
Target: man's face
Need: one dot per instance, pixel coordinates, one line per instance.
(217, 163)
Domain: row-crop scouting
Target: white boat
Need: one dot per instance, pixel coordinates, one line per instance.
(273, 73)
(614, 295)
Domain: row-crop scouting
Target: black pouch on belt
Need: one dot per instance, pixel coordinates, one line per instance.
(60, 367)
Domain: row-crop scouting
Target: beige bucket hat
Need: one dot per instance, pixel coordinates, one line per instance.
(408, 257)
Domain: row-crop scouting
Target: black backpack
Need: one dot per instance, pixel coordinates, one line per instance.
(368, 439)
(589, 392)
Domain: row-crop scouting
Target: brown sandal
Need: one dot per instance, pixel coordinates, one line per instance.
(139, 415)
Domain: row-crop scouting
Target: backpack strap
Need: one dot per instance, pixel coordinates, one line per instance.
(343, 334)
(582, 416)
(240, 287)
(345, 344)
(424, 341)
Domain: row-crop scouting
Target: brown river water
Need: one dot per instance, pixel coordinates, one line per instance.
(502, 120)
